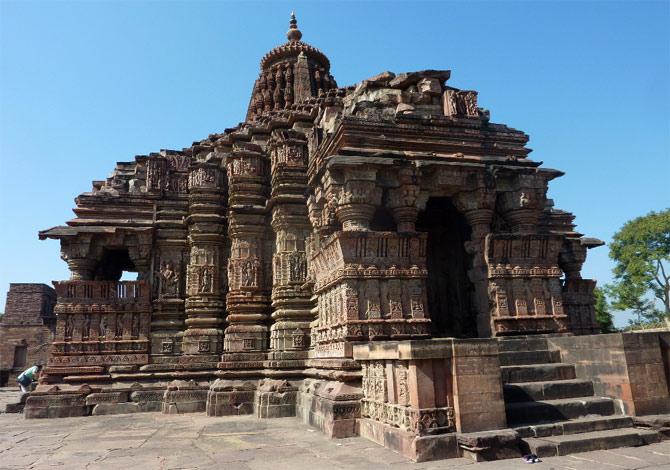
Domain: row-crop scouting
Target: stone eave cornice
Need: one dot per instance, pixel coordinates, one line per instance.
(550, 173)
(453, 136)
(120, 223)
(470, 140)
(345, 159)
(63, 231)
(358, 136)
(111, 210)
(119, 197)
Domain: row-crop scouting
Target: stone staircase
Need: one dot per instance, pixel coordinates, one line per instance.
(554, 412)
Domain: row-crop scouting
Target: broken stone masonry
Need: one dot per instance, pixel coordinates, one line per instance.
(378, 260)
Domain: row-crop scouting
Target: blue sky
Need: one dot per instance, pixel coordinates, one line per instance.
(85, 84)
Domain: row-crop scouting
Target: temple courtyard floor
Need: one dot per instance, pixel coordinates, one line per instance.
(194, 441)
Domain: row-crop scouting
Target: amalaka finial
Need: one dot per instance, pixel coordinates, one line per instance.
(293, 33)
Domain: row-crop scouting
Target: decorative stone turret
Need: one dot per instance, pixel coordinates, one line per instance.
(290, 73)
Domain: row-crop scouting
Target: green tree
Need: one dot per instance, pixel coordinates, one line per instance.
(641, 251)
(603, 314)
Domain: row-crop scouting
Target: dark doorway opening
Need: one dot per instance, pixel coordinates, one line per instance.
(449, 288)
(20, 356)
(114, 265)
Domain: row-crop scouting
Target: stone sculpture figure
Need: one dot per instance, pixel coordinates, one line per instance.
(205, 281)
(169, 279)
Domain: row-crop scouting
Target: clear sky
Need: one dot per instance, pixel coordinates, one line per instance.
(85, 84)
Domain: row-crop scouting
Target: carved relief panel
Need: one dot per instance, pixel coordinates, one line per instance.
(203, 272)
(525, 282)
(169, 276)
(168, 173)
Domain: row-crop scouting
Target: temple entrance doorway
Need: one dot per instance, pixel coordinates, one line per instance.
(449, 288)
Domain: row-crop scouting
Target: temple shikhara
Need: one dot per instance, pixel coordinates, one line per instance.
(378, 260)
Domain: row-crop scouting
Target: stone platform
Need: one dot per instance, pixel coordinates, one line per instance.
(195, 441)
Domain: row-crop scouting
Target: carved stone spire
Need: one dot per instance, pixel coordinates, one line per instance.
(293, 34)
(290, 73)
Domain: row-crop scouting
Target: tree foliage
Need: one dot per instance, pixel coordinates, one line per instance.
(641, 251)
(603, 314)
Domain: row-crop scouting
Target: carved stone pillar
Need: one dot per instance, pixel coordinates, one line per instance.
(402, 200)
(572, 258)
(289, 334)
(205, 283)
(578, 297)
(522, 207)
(81, 269)
(477, 208)
(359, 199)
(248, 298)
(76, 252)
(139, 246)
(480, 222)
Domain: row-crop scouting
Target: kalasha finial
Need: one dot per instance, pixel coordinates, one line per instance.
(293, 33)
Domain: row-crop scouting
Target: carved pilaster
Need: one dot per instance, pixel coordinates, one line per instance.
(204, 284)
(169, 277)
(289, 333)
(248, 298)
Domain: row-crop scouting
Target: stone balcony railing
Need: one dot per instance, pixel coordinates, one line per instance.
(102, 292)
(101, 323)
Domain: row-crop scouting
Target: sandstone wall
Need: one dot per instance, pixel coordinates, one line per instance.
(630, 367)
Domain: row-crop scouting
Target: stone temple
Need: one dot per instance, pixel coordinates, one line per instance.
(378, 260)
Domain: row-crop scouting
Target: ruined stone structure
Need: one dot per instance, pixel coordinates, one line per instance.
(26, 329)
(307, 261)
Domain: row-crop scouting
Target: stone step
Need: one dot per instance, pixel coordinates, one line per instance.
(522, 343)
(551, 390)
(596, 440)
(519, 358)
(537, 372)
(575, 426)
(538, 412)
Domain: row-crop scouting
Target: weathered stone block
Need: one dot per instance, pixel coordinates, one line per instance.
(56, 406)
(184, 397)
(230, 397)
(490, 445)
(332, 407)
(106, 397)
(116, 408)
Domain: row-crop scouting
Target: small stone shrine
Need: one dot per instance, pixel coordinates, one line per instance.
(378, 260)
(26, 329)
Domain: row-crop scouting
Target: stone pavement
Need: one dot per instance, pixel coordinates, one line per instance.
(8, 395)
(195, 441)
